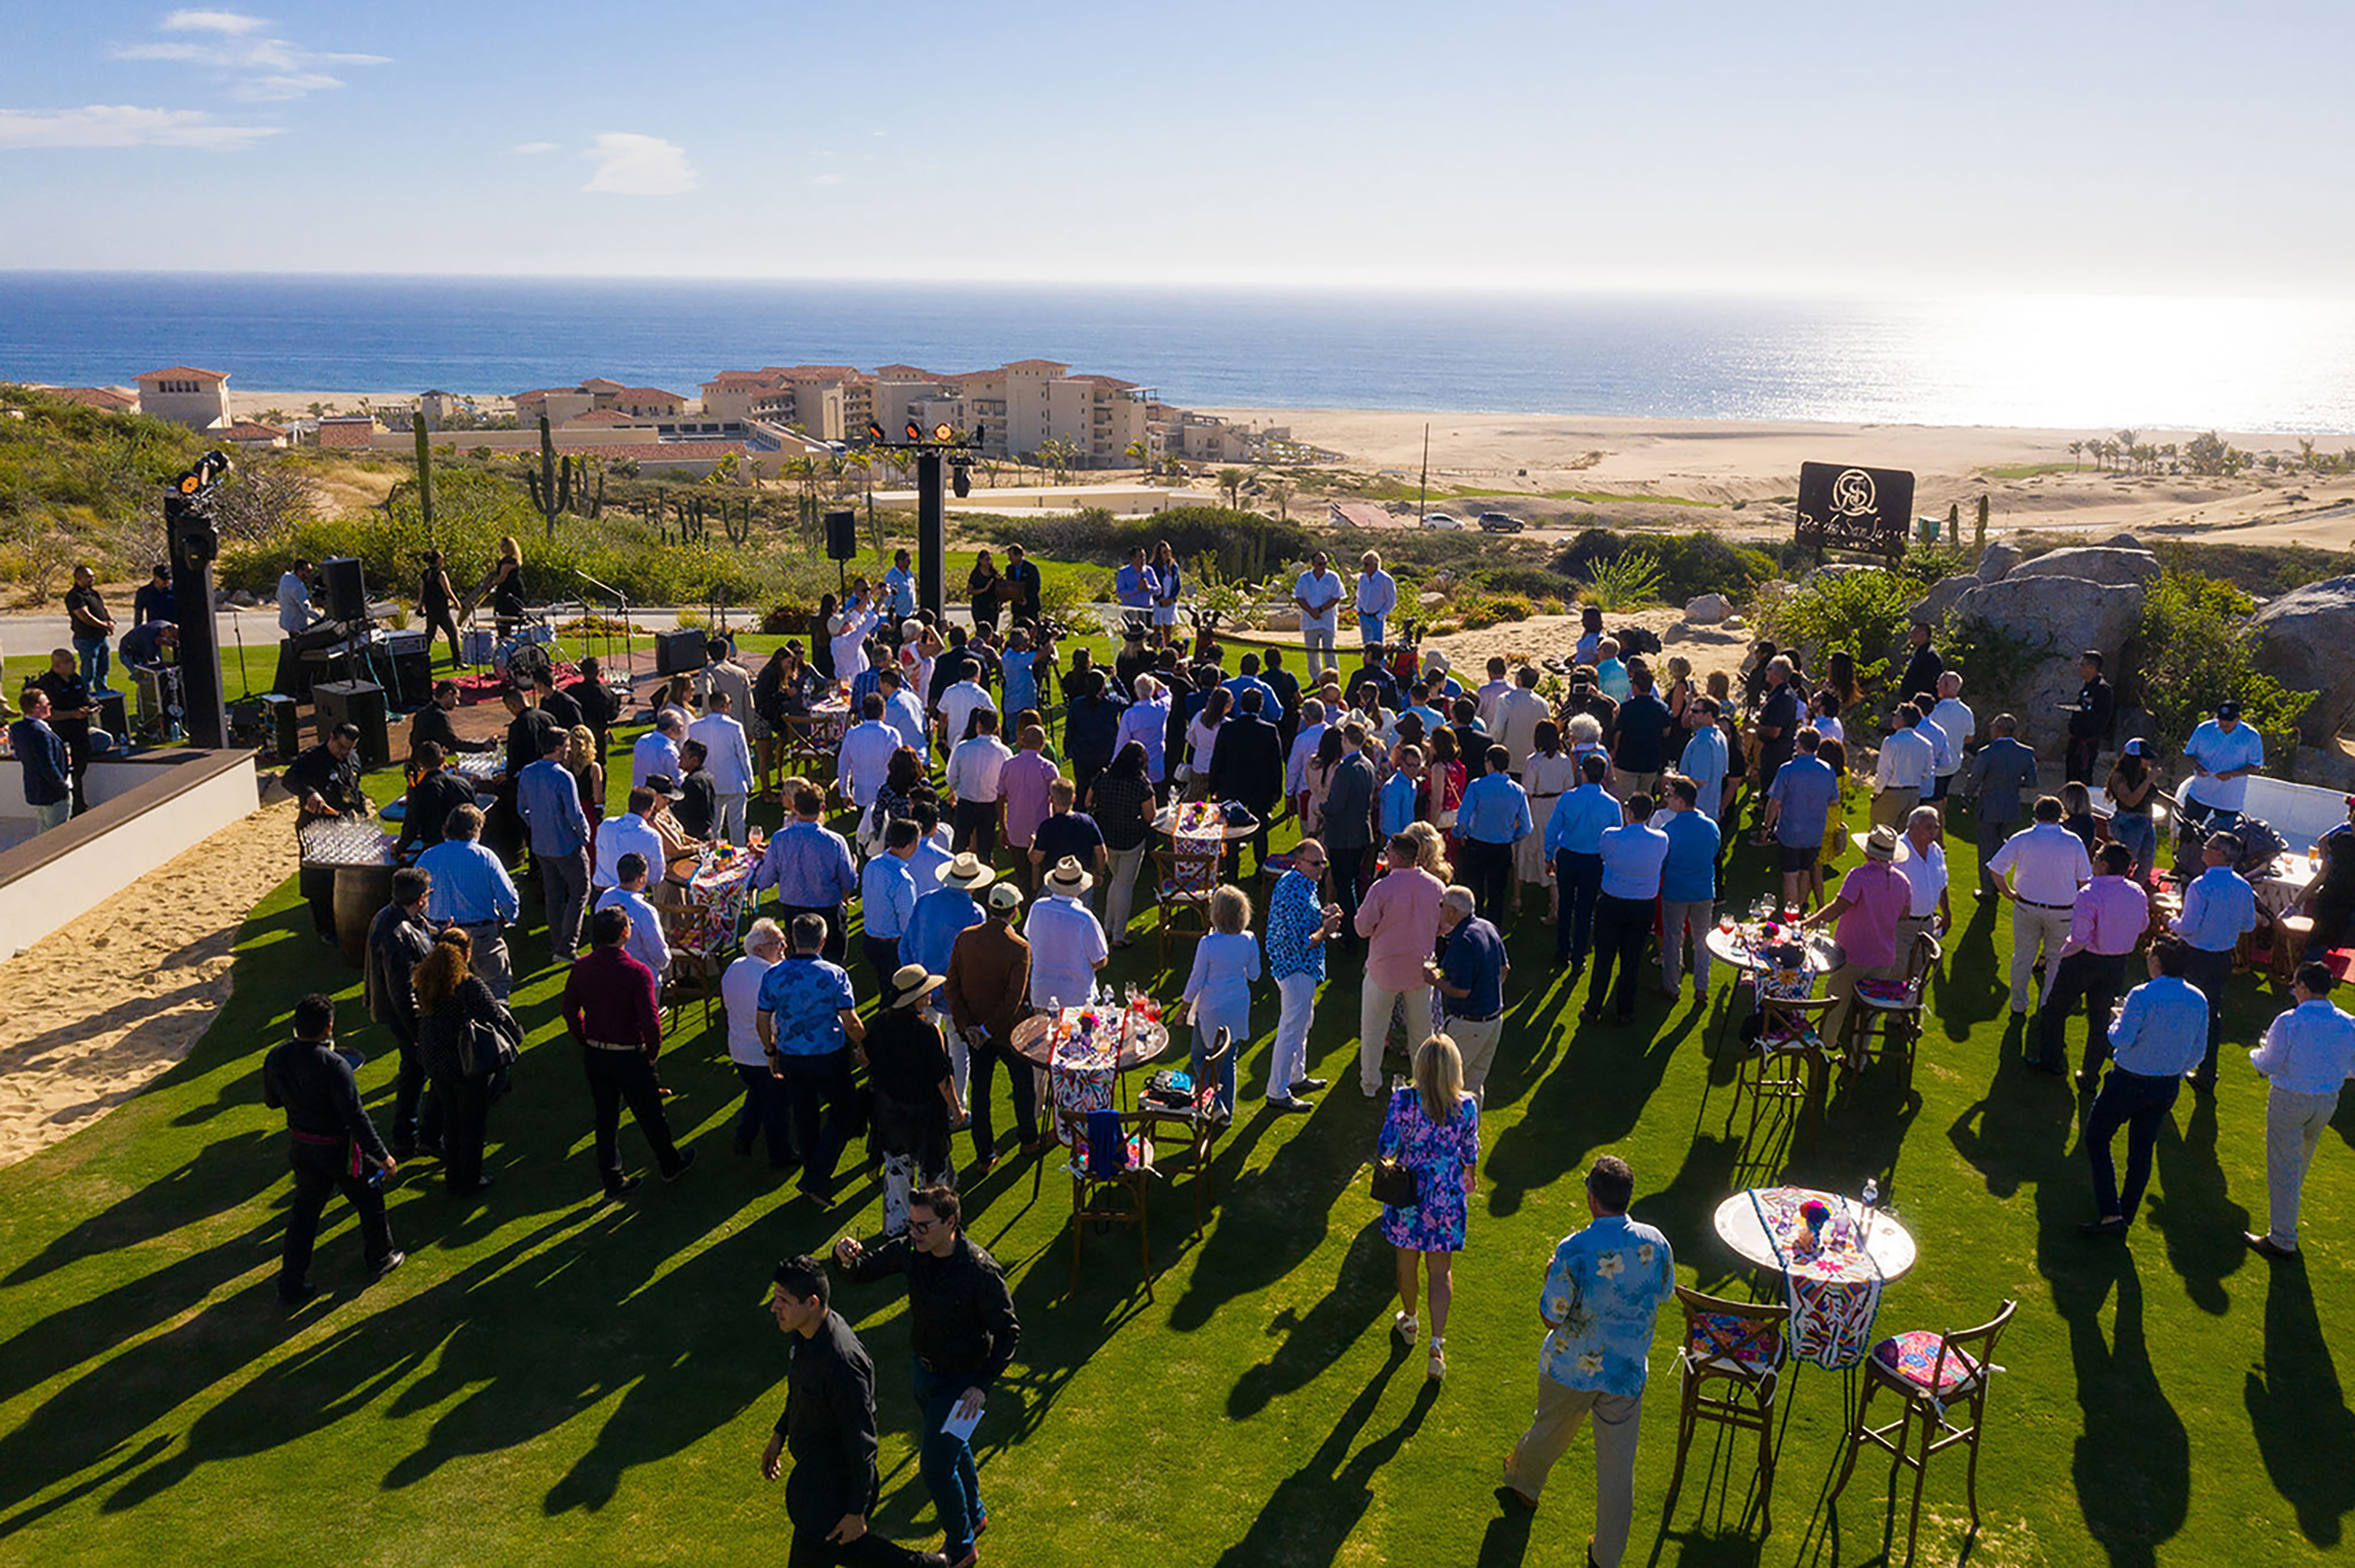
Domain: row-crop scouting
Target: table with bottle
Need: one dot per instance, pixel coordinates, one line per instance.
(1833, 1254)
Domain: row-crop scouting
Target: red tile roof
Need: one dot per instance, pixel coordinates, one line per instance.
(903, 373)
(599, 384)
(184, 373)
(1056, 366)
(597, 416)
(649, 395)
(1111, 382)
(348, 433)
(101, 397)
(253, 429)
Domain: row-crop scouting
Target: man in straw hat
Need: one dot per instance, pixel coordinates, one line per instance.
(1067, 942)
(940, 917)
(987, 990)
(1871, 901)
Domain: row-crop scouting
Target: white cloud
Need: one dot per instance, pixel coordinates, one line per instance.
(827, 180)
(123, 126)
(632, 165)
(528, 147)
(231, 21)
(259, 70)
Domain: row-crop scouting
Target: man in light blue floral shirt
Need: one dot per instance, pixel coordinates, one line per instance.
(1600, 1294)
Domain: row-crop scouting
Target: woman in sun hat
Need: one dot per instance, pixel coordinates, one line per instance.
(915, 1091)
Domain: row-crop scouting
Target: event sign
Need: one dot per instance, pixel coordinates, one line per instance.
(1844, 507)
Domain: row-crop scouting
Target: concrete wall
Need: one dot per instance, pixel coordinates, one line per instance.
(164, 808)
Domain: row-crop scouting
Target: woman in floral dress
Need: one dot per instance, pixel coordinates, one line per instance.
(1434, 1129)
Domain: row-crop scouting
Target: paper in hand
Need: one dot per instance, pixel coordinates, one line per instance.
(961, 1427)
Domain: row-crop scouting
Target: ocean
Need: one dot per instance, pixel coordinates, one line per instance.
(2099, 364)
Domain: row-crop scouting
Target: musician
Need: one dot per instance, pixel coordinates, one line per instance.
(294, 617)
(436, 604)
(432, 723)
(597, 705)
(325, 780)
(433, 793)
(507, 588)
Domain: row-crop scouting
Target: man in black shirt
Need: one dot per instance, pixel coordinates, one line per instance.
(1639, 744)
(829, 1426)
(314, 1086)
(597, 705)
(558, 706)
(432, 723)
(71, 710)
(399, 940)
(153, 603)
(326, 779)
(1246, 765)
(961, 1328)
(528, 730)
(696, 801)
(1286, 687)
(431, 799)
(1779, 719)
(92, 626)
(1022, 585)
(1925, 667)
(2090, 717)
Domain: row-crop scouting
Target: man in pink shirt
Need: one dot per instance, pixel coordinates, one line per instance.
(1873, 898)
(1022, 801)
(1399, 919)
(2105, 923)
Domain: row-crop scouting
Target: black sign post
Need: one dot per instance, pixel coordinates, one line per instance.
(1844, 507)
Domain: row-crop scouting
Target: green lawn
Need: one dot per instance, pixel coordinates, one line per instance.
(555, 1379)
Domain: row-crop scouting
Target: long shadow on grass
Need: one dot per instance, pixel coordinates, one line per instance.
(2298, 1409)
(1591, 1098)
(1308, 1517)
(1308, 1346)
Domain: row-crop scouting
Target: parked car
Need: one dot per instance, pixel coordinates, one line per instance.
(1442, 520)
(1500, 523)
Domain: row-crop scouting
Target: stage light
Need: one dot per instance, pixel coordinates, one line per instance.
(874, 433)
(944, 433)
(916, 432)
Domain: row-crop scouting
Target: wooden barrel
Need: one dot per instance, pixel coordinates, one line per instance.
(360, 891)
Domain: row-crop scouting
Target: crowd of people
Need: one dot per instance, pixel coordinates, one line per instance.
(988, 860)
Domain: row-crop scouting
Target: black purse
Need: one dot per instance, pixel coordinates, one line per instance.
(1395, 1184)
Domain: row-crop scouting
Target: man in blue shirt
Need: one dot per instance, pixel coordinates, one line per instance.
(549, 797)
(2307, 1055)
(1492, 817)
(1706, 757)
(899, 594)
(1574, 849)
(808, 1020)
(1402, 797)
(2220, 907)
(1299, 926)
(1688, 887)
(1250, 681)
(2159, 1034)
(809, 865)
(1136, 586)
(1604, 1288)
(886, 899)
(471, 890)
(1798, 801)
(1633, 855)
(1470, 975)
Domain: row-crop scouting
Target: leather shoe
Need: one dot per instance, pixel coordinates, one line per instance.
(389, 1261)
(1307, 1086)
(625, 1186)
(2266, 1246)
(2114, 1227)
(1289, 1102)
(685, 1164)
(293, 1296)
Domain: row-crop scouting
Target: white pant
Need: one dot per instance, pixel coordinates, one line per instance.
(1289, 1065)
(727, 821)
(2031, 926)
(1120, 899)
(961, 1060)
(1676, 922)
(2294, 1124)
(1374, 1027)
(1476, 1043)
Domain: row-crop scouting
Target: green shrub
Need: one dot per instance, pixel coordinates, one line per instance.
(1999, 662)
(1245, 544)
(1861, 611)
(1475, 610)
(2196, 648)
(1690, 565)
(1926, 564)
(1628, 580)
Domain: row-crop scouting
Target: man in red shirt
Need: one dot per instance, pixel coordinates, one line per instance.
(611, 1008)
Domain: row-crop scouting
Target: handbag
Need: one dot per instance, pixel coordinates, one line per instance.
(1395, 1184)
(490, 1046)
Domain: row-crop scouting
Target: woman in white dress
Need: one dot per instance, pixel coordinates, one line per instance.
(1548, 774)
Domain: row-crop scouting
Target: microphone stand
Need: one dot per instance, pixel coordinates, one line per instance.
(621, 600)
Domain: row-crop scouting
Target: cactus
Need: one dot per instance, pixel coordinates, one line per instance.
(425, 477)
(565, 484)
(596, 506)
(1981, 539)
(546, 495)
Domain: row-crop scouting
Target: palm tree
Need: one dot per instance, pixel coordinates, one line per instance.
(1230, 480)
(1134, 452)
(2074, 447)
(2126, 443)
(1281, 491)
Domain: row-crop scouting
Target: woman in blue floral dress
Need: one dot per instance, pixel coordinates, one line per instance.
(1434, 1129)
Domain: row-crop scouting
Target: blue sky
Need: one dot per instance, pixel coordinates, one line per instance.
(2158, 148)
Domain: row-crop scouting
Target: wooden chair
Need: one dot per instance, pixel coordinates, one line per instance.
(1182, 889)
(1895, 1008)
(1197, 1123)
(1787, 1062)
(1110, 1197)
(2290, 937)
(806, 744)
(1935, 1375)
(1733, 1356)
(694, 969)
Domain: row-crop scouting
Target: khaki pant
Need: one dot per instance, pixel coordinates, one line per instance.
(1618, 1418)
(1476, 1043)
(1891, 807)
(2293, 1125)
(2032, 926)
(1373, 1029)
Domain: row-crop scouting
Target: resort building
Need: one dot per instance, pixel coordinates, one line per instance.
(185, 395)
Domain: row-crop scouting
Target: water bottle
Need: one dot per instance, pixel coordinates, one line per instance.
(1873, 1191)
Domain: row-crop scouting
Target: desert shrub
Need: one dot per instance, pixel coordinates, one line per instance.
(1999, 662)
(1474, 610)
(1541, 586)
(2196, 648)
(1244, 544)
(1064, 595)
(1861, 611)
(1925, 565)
(1690, 565)
(1628, 580)
(2264, 570)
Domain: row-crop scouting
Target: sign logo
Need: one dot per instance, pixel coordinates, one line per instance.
(1843, 506)
(1852, 493)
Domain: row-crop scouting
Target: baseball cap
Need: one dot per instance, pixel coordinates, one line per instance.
(2227, 709)
(1005, 896)
(2135, 748)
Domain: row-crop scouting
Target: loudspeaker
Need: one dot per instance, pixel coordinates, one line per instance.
(678, 653)
(360, 703)
(114, 717)
(842, 536)
(347, 593)
(412, 659)
(282, 725)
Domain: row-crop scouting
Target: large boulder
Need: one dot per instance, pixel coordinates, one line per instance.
(2108, 564)
(1708, 610)
(1933, 605)
(1997, 560)
(2063, 614)
(2306, 641)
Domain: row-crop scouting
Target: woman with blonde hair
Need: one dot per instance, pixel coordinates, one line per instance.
(1218, 993)
(506, 592)
(1677, 689)
(459, 1027)
(588, 774)
(1431, 851)
(1432, 1130)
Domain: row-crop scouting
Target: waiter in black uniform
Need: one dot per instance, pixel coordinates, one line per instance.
(598, 704)
(828, 1426)
(2090, 717)
(333, 1145)
(325, 780)
(432, 723)
(433, 795)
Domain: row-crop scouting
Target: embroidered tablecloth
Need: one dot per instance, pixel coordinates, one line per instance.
(1833, 1285)
(716, 894)
(1200, 833)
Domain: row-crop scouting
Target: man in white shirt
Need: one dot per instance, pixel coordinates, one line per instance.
(294, 612)
(1067, 942)
(728, 757)
(1483, 700)
(903, 711)
(766, 1108)
(974, 769)
(656, 752)
(630, 834)
(1956, 725)
(848, 632)
(2307, 1055)
(2040, 872)
(1304, 750)
(645, 943)
(864, 757)
(1377, 598)
(1921, 861)
(957, 707)
(1908, 765)
(1317, 595)
(2224, 752)
(1519, 712)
